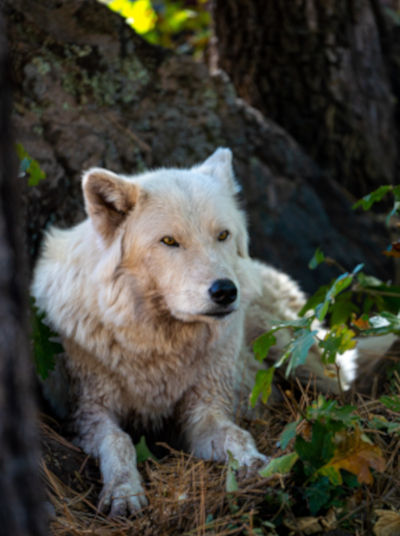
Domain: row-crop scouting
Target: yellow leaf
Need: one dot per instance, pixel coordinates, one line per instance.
(139, 13)
(356, 455)
(388, 523)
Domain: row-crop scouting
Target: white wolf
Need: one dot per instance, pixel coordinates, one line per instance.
(157, 301)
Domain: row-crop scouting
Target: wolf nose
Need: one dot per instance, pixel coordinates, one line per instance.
(223, 291)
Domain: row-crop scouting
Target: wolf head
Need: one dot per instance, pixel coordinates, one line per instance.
(180, 233)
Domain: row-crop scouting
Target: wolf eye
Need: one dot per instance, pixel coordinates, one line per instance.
(169, 241)
(223, 235)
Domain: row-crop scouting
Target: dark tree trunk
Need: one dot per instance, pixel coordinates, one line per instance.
(317, 69)
(21, 499)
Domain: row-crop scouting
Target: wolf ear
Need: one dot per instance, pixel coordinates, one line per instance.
(219, 165)
(108, 199)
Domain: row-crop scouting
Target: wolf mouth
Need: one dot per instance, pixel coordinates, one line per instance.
(219, 314)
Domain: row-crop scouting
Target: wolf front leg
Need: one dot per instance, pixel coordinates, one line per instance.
(210, 432)
(101, 436)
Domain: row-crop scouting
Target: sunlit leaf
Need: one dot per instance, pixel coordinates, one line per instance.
(368, 280)
(332, 473)
(281, 465)
(299, 348)
(30, 166)
(337, 341)
(262, 345)
(262, 386)
(138, 13)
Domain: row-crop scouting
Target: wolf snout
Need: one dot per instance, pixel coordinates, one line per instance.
(223, 291)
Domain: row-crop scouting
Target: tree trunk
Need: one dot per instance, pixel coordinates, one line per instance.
(317, 69)
(90, 92)
(21, 503)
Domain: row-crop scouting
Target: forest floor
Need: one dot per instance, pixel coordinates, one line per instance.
(188, 496)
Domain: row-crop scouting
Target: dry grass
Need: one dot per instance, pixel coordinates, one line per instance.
(187, 496)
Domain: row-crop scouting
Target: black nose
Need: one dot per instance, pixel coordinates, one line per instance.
(223, 291)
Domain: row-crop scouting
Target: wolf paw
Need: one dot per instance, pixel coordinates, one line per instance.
(242, 447)
(123, 498)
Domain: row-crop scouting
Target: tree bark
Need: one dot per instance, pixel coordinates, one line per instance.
(21, 504)
(317, 69)
(90, 92)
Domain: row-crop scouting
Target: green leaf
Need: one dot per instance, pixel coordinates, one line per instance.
(334, 476)
(315, 300)
(45, 348)
(281, 465)
(380, 423)
(318, 494)
(30, 166)
(368, 280)
(231, 483)
(299, 348)
(297, 323)
(367, 201)
(339, 285)
(329, 411)
(383, 323)
(322, 310)
(288, 433)
(337, 341)
(262, 386)
(262, 345)
(395, 210)
(319, 450)
(143, 452)
(317, 259)
(391, 402)
(342, 309)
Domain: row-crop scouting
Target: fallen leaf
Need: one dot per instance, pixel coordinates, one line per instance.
(307, 525)
(388, 523)
(355, 455)
(312, 525)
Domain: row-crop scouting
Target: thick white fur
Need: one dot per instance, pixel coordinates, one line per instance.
(133, 314)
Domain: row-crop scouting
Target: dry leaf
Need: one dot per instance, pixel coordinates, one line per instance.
(312, 525)
(388, 523)
(356, 455)
(307, 525)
